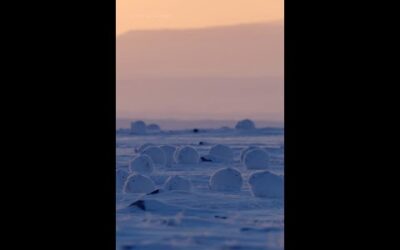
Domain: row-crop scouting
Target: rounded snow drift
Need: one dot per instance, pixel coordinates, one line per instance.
(244, 151)
(156, 154)
(138, 127)
(187, 155)
(142, 164)
(222, 153)
(245, 125)
(178, 183)
(137, 183)
(121, 177)
(266, 184)
(226, 180)
(169, 152)
(256, 159)
(153, 128)
(143, 147)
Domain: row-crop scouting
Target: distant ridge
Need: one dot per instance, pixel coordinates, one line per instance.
(202, 72)
(235, 50)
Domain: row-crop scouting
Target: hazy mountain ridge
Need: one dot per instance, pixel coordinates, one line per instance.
(241, 50)
(206, 71)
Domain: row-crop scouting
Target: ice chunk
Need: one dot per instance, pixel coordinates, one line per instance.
(221, 153)
(156, 154)
(256, 159)
(178, 183)
(142, 164)
(187, 155)
(169, 152)
(137, 183)
(245, 125)
(226, 180)
(138, 127)
(266, 184)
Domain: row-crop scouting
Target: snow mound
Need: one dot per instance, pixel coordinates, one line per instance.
(256, 159)
(226, 180)
(156, 154)
(178, 183)
(244, 151)
(266, 184)
(144, 146)
(187, 155)
(121, 177)
(138, 127)
(153, 128)
(142, 164)
(169, 152)
(137, 183)
(245, 125)
(222, 153)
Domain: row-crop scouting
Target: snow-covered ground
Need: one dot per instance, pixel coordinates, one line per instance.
(194, 216)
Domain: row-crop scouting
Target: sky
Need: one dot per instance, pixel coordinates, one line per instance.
(192, 59)
(155, 14)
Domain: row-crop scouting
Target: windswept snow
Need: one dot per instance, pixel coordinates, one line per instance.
(178, 183)
(191, 204)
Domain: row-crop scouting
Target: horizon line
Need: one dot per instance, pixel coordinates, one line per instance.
(201, 27)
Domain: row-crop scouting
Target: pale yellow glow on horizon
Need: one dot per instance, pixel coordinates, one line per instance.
(180, 14)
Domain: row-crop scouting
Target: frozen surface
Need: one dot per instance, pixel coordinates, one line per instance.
(200, 218)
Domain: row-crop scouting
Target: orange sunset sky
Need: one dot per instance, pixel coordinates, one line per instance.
(231, 68)
(153, 14)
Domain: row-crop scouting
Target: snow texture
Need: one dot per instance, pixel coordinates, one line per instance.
(178, 183)
(256, 159)
(226, 180)
(150, 216)
(142, 164)
(266, 184)
(137, 183)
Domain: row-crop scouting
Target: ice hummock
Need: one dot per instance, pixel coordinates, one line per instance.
(187, 155)
(156, 154)
(137, 183)
(266, 184)
(256, 159)
(142, 164)
(226, 180)
(245, 124)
